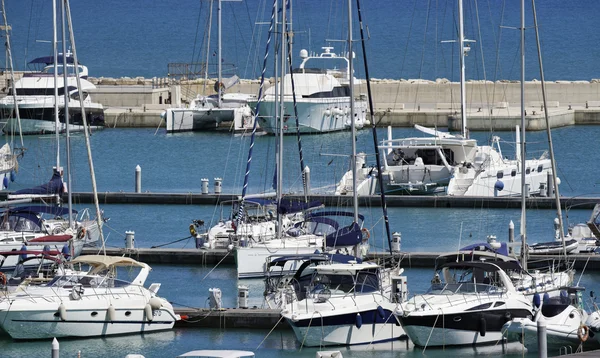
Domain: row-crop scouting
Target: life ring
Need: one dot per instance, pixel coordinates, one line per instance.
(365, 233)
(193, 231)
(583, 333)
(81, 233)
(3, 278)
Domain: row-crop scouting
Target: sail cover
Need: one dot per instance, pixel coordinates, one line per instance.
(54, 187)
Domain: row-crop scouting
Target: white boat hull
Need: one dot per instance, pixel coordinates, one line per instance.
(83, 322)
(318, 115)
(345, 334)
(37, 126)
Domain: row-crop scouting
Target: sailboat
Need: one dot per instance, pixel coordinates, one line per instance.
(87, 302)
(470, 300)
(207, 112)
(321, 231)
(346, 303)
(456, 165)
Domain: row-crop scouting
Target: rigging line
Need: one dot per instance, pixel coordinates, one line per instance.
(374, 130)
(196, 35)
(424, 39)
(217, 265)
(259, 100)
(406, 52)
(271, 331)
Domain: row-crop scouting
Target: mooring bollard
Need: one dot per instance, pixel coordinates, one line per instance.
(306, 180)
(129, 239)
(138, 179)
(218, 182)
(55, 348)
(542, 339)
(204, 185)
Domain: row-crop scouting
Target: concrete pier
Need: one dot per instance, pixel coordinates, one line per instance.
(401, 103)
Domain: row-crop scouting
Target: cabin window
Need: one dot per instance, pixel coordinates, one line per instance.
(500, 175)
(513, 173)
(540, 168)
(528, 171)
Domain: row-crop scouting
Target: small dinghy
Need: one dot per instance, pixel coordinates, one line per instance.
(553, 247)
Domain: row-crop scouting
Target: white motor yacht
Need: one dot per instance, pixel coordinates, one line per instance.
(35, 99)
(87, 303)
(322, 97)
(567, 322)
(346, 304)
(468, 303)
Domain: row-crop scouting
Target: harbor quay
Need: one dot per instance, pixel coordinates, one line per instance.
(496, 105)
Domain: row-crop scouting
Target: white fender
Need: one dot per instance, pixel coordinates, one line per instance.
(112, 313)
(62, 312)
(148, 312)
(155, 303)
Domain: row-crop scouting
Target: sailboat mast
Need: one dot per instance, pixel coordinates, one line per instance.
(352, 119)
(374, 131)
(523, 142)
(549, 133)
(85, 126)
(55, 65)
(219, 53)
(66, 113)
(461, 48)
(281, 115)
(12, 79)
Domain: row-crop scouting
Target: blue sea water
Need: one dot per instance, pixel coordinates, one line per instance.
(176, 163)
(136, 38)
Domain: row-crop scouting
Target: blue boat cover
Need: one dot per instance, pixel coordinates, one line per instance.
(338, 258)
(41, 209)
(53, 187)
(48, 60)
(484, 246)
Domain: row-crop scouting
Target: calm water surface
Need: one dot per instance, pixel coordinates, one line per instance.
(176, 163)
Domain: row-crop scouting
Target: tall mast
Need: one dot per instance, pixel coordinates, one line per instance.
(281, 114)
(55, 49)
(219, 53)
(549, 133)
(461, 47)
(66, 112)
(85, 126)
(523, 143)
(12, 80)
(352, 119)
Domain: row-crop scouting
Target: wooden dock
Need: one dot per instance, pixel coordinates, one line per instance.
(428, 201)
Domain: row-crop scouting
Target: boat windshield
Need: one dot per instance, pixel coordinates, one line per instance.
(68, 281)
(364, 281)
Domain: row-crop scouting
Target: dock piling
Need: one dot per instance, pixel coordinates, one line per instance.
(542, 339)
(204, 185)
(218, 185)
(511, 236)
(55, 348)
(138, 179)
(129, 239)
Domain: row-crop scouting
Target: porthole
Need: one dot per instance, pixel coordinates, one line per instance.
(457, 319)
(94, 314)
(528, 171)
(128, 313)
(540, 168)
(500, 175)
(513, 173)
